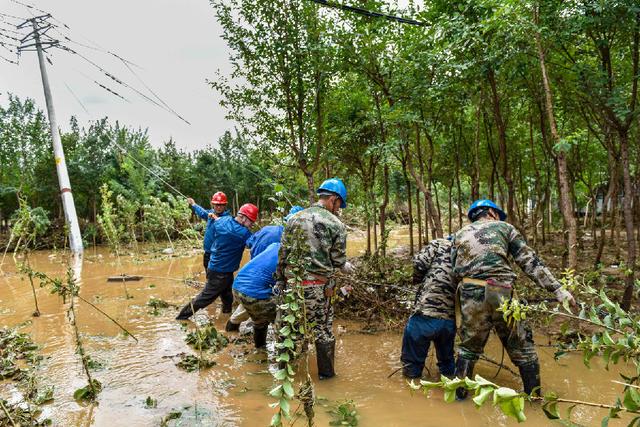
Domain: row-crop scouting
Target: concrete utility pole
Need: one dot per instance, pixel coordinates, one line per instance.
(75, 239)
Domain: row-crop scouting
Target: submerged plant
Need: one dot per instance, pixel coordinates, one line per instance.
(206, 338)
(192, 363)
(344, 414)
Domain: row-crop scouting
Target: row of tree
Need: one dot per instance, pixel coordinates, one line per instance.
(533, 104)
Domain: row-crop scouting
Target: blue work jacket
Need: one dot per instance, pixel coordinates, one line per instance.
(204, 214)
(255, 279)
(263, 238)
(229, 240)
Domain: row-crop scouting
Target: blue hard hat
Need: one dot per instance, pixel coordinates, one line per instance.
(336, 186)
(294, 210)
(486, 203)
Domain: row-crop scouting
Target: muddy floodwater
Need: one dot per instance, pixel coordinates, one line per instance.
(235, 391)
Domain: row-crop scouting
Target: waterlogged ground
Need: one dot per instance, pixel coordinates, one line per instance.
(235, 391)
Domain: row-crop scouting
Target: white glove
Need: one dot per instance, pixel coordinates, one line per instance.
(563, 295)
(348, 268)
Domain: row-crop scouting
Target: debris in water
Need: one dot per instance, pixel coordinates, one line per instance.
(124, 278)
(206, 338)
(191, 363)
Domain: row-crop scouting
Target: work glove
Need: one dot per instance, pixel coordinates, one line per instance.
(348, 268)
(213, 216)
(563, 295)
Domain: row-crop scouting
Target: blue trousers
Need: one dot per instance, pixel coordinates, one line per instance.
(418, 335)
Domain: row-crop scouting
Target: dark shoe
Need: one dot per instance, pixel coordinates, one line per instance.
(464, 368)
(325, 354)
(185, 313)
(530, 374)
(226, 309)
(260, 336)
(231, 327)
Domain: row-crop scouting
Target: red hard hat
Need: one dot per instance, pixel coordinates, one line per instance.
(219, 198)
(250, 211)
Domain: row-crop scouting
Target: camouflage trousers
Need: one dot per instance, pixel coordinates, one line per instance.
(262, 311)
(479, 317)
(319, 313)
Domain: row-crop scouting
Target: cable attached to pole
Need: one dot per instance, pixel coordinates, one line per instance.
(369, 13)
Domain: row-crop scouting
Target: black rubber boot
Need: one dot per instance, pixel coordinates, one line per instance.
(464, 368)
(325, 354)
(530, 374)
(231, 327)
(185, 313)
(260, 336)
(226, 309)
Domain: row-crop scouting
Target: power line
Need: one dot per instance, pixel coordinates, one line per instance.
(76, 98)
(369, 13)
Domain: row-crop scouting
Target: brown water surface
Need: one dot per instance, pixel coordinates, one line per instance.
(235, 392)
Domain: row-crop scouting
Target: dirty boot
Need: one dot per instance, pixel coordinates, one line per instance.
(325, 353)
(231, 327)
(260, 336)
(185, 313)
(530, 374)
(464, 368)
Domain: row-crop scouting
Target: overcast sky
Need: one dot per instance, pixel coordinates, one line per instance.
(176, 43)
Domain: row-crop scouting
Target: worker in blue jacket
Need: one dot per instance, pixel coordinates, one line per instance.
(230, 235)
(218, 210)
(253, 287)
(257, 243)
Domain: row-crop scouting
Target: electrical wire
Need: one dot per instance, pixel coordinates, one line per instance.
(369, 13)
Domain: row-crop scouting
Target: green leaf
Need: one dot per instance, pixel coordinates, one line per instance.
(280, 375)
(288, 390)
(285, 406)
(550, 409)
(276, 420)
(482, 396)
(276, 391)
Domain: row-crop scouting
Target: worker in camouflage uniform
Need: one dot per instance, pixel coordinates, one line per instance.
(480, 258)
(326, 237)
(433, 317)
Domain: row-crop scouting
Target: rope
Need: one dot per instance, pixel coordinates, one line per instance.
(124, 151)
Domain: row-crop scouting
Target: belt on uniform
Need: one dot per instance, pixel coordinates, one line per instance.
(481, 282)
(313, 282)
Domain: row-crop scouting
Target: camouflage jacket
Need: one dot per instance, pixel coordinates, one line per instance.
(433, 273)
(481, 250)
(326, 236)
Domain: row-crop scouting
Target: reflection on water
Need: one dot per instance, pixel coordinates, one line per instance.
(235, 392)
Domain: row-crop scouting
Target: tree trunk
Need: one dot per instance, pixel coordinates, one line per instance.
(563, 179)
(629, 276)
(410, 201)
(475, 176)
(419, 218)
(502, 142)
(383, 209)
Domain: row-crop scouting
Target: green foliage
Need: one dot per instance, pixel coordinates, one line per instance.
(112, 231)
(88, 393)
(192, 363)
(294, 332)
(344, 414)
(150, 403)
(206, 338)
(156, 304)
